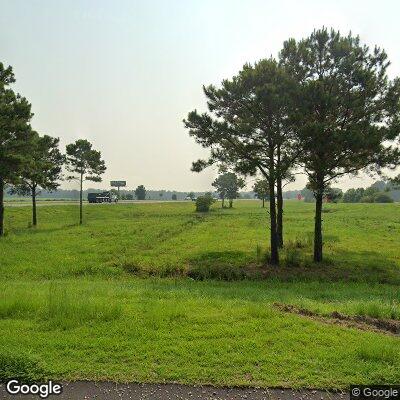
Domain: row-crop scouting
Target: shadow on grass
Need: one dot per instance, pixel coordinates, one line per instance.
(220, 265)
(364, 266)
(296, 266)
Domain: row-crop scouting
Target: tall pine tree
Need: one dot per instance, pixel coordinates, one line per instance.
(246, 128)
(345, 110)
(15, 134)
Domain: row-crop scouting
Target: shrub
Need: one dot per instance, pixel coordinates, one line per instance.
(367, 199)
(382, 198)
(203, 203)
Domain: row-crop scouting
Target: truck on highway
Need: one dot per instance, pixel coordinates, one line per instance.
(103, 197)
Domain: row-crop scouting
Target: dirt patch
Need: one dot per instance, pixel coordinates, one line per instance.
(389, 325)
(362, 322)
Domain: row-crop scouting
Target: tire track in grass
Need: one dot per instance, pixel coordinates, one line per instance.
(387, 326)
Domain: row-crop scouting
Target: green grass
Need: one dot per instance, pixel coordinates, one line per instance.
(128, 296)
(170, 239)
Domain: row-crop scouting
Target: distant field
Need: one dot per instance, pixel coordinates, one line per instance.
(156, 292)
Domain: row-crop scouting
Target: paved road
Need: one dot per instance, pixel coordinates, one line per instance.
(133, 391)
(41, 203)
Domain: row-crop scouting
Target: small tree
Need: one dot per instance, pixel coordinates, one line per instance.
(174, 197)
(140, 192)
(86, 162)
(42, 171)
(261, 189)
(228, 186)
(15, 134)
(191, 195)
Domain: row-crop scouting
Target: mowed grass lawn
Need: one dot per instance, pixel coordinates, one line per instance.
(156, 292)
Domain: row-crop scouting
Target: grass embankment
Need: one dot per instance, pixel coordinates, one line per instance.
(73, 307)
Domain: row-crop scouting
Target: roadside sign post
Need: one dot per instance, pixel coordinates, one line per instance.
(118, 184)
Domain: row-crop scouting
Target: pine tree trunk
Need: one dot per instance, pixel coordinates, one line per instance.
(1, 206)
(272, 208)
(318, 227)
(230, 203)
(272, 213)
(34, 219)
(263, 206)
(223, 202)
(80, 201)
(280, 211)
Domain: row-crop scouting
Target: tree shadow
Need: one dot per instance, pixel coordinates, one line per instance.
(220, 265)
(340, 266)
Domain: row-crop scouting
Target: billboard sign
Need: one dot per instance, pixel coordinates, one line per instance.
(118, 183)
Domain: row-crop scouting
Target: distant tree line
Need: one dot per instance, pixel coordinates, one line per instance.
(67, 194)
(325, 107)
(379, 192)
(151, 194)
(331, 195)
(376, 193)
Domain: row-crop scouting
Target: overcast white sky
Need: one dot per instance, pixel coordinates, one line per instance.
(123, 74)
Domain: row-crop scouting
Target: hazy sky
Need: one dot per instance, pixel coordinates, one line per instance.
(124, 74)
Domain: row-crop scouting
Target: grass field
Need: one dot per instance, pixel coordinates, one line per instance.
(156, 292)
